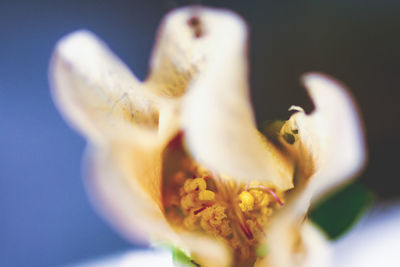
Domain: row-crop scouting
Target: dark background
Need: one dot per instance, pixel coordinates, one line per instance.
(45, 217)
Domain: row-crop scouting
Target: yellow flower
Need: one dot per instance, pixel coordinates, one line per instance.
(178, 159)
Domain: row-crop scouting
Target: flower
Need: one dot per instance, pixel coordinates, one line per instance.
(178, 159)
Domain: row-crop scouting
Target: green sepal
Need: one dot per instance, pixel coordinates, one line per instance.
(181, 259)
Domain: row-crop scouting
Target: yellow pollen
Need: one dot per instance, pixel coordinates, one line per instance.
(266, 211)
(206, 195)
(260, 198)
(197, 184)
(214, 220)
(189, 201)
(247, 201)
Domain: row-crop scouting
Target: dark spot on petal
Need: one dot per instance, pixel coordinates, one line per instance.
(196, 25)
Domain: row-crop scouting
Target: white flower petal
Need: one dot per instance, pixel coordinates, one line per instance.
(132, 258)
(178, 55)
(332, 135)
(296, 244)
(329, 148)
(206, 250)
(375, 241)
(124, 182)
(95, 91)
(217, 116)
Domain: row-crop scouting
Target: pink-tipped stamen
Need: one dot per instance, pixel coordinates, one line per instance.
(269, 191)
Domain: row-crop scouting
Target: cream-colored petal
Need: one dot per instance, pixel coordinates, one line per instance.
(206, 251)
(95, 91)
(217, 116)
(296, 244)
(125, 182)
(318, 250)
(331, 136)
(329, 148)
(180, 52)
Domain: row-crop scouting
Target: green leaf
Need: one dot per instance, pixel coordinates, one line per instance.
(337, 214)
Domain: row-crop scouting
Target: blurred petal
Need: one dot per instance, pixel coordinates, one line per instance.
(318, 249)
(125, 184)
(178, 54)
(146, 259)
(374, 242)
(329, 146)
(95, 91)
(206, 250)
(133, 258)
(330, 138)
(300, 244)
(217, 115)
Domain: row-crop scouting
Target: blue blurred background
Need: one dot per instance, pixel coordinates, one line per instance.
(45, 216)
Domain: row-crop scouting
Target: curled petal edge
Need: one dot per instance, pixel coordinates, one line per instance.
(331, 141)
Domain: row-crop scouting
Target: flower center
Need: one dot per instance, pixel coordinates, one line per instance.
(197, 200)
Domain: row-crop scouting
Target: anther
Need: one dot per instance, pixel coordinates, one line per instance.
(269, 191)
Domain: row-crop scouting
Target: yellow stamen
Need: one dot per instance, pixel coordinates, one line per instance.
(247, 201)
(197, 184)
(188, 202)
(214, 220)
